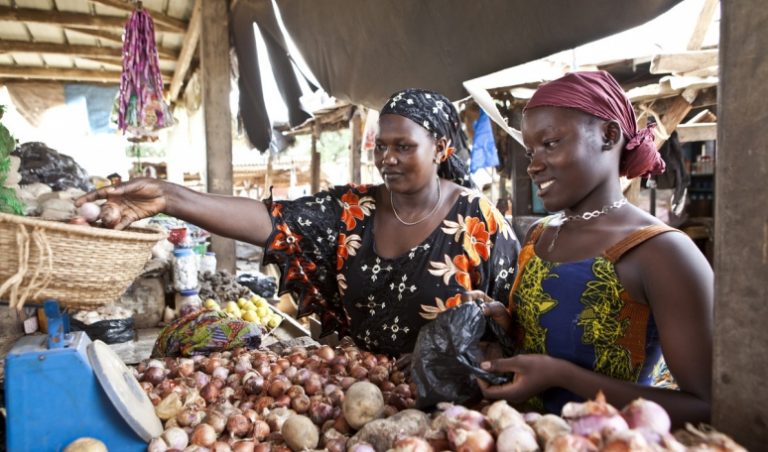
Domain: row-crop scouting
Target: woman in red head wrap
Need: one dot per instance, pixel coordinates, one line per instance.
(605, 292)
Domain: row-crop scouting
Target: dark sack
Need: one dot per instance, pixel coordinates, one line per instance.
(448, 353)
(113, 331)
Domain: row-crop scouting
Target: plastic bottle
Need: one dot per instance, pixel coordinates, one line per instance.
(184, 269)
(208, 263)
(187, 301)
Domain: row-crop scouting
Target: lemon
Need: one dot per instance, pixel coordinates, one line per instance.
(249, 306)
(211, 305)
(274, 321)
(250, 316)
(263, 311)
(241, 302)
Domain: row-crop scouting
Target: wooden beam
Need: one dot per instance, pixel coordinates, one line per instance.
(697, 132)
(57, 73)
(355, 146)
(73, 50)
(675, 114)
(187, 53)
(678, 62)
(64, 18)
(702, 116)
(702, 25)
(164, 52)
(214, 66)
(157, 16)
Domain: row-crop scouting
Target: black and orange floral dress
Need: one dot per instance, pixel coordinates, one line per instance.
(325, 248)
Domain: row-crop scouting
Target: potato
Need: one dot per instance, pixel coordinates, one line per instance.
(300, 433)
(363, 402)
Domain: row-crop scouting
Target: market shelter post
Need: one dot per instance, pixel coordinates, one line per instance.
(214, 62)
(740, 395)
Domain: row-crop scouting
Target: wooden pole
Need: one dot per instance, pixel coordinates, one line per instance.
(739, 393)
(188, 48)
(355, 146)
(214, 64)
(315, 162)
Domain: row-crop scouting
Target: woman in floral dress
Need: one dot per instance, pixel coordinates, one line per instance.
(374, 262)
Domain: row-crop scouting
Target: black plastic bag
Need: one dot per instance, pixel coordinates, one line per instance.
(39, 163)
(112, 331)
(447, 356)
(259, 283)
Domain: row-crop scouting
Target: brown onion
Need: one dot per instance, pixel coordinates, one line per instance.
(300, 404)
(216, 420)
(243, 446)
(378, 375)
(326, 353)
(260, 430)
(210, 392)
(203, 435)
(238, 425)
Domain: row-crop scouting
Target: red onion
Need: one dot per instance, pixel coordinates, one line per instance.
(570, 443)
(210, 392)
(260, 430)
(517, 438)
(320, 412)
(326, 353)
(216, 420)
(253, 383)
(336, 445)
(549, 426)
(243, 446)
(646, 414)
(593, 416)
(176, 438)
(203, 435)
(362, 447)
(188, 417)
(300, 404)
(378, 374)
(238, 425)
(154, 375)
(221, 446)
(478, 440)
(157, 445)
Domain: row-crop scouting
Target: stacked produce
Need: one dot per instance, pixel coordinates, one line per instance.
(254, 309)
(346, 399)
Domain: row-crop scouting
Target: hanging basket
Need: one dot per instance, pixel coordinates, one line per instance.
(81, 267)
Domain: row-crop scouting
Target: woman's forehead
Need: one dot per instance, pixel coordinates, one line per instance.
(391, 125)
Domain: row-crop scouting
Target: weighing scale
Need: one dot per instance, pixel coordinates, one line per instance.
(63, 386)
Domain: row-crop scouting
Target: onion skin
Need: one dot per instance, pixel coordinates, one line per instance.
(203, 435)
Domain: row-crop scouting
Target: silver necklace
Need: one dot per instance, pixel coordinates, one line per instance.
(561, 218)
(411, 223)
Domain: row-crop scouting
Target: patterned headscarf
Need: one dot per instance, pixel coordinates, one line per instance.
(437, 114)
(597, 93)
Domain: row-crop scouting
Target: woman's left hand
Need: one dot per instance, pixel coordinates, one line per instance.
(533, 374)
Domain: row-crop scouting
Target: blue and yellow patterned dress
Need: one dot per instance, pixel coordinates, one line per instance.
(579, 311)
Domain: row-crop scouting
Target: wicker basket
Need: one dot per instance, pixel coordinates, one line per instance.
(81, 267)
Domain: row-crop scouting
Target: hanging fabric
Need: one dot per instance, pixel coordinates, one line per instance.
(142, 111)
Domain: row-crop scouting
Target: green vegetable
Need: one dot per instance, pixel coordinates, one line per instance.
(9, 201)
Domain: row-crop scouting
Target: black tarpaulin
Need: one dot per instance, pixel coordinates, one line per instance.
(363, 50)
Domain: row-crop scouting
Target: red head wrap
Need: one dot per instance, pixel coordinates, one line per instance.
(597, 93)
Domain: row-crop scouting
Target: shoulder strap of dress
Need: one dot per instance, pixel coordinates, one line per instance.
(637, 237)
(538, 228)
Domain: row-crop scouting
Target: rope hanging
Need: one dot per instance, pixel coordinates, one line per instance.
(142, 110)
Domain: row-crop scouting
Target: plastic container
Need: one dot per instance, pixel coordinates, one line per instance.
(208, 263)
(184, 269)
(187, 301)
